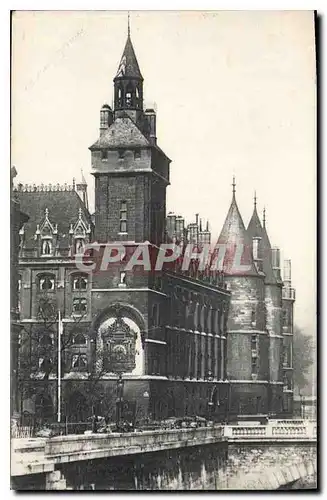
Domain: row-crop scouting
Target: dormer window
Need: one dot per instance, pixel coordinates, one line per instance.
(255, 248)
(47, 283)
(46, 247)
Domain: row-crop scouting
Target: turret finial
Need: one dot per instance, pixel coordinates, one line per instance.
(234, 186)
(264, 217)
(255, 199)
(128, 25)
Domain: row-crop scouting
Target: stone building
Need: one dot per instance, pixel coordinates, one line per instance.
(17, 220)
(165, 332)
(215, 344)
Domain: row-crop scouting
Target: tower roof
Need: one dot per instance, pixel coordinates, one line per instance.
(233, 234)
(256, 230)
(128, 66)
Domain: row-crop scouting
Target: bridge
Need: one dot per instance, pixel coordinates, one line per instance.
(243, 456)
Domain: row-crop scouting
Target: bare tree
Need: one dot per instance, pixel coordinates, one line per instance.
(303, 357)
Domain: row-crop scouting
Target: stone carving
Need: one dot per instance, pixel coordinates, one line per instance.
(119, 345)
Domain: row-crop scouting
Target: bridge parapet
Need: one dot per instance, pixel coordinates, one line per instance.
(273, 431)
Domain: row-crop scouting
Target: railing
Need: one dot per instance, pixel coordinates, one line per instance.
(25, 431)
(290, 429)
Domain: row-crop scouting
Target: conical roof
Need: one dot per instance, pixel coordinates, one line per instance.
(236, 239)
(128, 66)
(256, 230)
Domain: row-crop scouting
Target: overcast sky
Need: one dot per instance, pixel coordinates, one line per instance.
(235, 95)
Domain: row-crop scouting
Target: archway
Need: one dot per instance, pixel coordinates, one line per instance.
(119, 341)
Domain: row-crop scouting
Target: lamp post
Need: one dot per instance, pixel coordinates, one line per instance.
(119, 400)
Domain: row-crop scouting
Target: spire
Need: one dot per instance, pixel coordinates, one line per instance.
(128, 66)
(83, 178)
(235, 237)
(234, 186)
(128, 82)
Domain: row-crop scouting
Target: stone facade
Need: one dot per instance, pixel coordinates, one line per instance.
(187, 342)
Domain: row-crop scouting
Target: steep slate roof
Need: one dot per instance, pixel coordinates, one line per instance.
(122, 133)
(234, 233)
(128, 66)
(255, 229)
(63, 209)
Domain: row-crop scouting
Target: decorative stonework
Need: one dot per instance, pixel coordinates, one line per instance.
(119, 345)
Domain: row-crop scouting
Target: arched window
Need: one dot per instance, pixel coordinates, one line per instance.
(46, 282)
(129, 97)
(79, 362)
(46, 247)
(45, 364)
(45, 340)
(79, 339)
(80, 282)
(79, 246)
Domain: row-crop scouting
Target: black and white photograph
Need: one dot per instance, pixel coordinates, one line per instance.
(163, 254)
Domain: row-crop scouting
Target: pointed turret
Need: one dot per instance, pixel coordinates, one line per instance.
(128, 66)
(82, 190)
(235, 237)
(128, 81)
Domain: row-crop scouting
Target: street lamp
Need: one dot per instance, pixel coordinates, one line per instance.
(119, 400)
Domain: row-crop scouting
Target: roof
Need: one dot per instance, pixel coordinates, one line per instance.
(63, 209)
(122, 133)
(233, 234)
(128, 66)
(255, 229)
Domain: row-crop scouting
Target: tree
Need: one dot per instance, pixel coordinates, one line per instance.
(303, 357)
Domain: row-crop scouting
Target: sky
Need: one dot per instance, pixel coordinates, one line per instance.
(235, 95)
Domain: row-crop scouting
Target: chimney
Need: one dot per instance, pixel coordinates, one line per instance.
(106, 118)
(151, 119)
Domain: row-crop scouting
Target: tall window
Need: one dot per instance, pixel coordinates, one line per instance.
(253, 317)
(46, 283)
(123, 217)
(104, 154)
(80, 283)
(79, 246)
(79, 306)
(46, 247)
(255, 248)
(122, 279)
